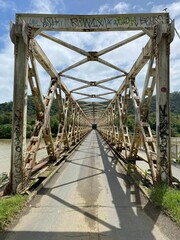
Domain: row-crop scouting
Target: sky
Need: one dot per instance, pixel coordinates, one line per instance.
(62, 57)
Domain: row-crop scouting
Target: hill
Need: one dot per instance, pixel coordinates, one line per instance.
(6, 116)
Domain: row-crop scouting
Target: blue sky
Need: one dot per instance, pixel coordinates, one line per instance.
(92, 41)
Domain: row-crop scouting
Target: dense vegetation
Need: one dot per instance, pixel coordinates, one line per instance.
(168, 200)
(6, 116)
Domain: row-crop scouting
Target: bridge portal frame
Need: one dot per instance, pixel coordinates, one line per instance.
(156, 25)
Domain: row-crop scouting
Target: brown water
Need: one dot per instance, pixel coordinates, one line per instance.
(5, 155)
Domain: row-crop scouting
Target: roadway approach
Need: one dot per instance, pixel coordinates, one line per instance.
(91, 198)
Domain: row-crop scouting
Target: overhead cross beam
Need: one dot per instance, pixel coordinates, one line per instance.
(83, 23)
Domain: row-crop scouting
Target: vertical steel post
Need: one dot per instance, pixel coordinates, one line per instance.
(162, 105)
(19, 107)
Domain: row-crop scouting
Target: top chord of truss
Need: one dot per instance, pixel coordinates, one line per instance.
(112, 22)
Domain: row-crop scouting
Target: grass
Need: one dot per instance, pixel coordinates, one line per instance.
(168, 199)
(9, 207)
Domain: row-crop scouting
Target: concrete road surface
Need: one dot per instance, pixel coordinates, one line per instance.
(90, 198)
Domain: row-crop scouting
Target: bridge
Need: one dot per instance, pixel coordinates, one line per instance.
(91, 104)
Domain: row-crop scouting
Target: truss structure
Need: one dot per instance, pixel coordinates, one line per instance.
(108, 109)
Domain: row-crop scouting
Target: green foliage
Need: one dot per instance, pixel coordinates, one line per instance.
(54, 108)
(167, 199)
(54, 125)
(175, 102)
(5, 131)
(130, 123)
(29, 130)
(6, 116)
(175, 125)
(152, 121)
(6, 107)
(9, 207)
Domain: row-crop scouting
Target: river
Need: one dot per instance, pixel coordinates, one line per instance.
(5, 155)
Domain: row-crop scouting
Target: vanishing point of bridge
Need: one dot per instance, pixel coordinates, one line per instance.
(83, 107)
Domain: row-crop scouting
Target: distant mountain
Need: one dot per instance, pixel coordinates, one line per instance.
(6, 115)
(174, 103)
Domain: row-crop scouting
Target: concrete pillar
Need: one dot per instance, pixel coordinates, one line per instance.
(19, 109)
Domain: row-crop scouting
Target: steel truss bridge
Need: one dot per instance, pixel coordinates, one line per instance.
(108, 110)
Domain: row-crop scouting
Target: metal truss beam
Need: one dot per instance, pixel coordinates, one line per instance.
(83, 23)
(75, 116)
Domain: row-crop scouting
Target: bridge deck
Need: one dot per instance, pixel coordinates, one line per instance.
(89, 198)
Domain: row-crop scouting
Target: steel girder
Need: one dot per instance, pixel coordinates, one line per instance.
(108, 109)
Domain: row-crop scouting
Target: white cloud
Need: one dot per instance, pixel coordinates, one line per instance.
(121, 7)
(47, 6)
(174, 75)
(104, 8)
(7, 71)
(150, 3)
(173, 9)
(6, 5)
